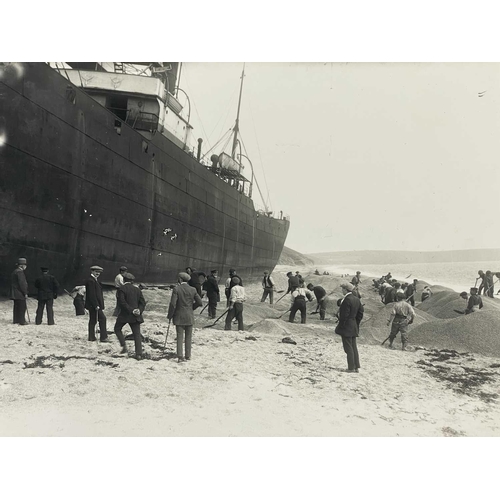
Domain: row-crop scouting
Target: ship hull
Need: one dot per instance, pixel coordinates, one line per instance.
(76, 192)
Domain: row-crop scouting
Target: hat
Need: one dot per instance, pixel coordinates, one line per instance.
(44, 269)
(213, 271)
(266, 272)
(123, 268)
(236, 280)
(358, 272)
(289, 273)
(184, 276)
(232, 271)
(463, 294)
(310, 286)
(347, 286)
(22, 260)
(96, 268)
(473, 289)
(128, 277)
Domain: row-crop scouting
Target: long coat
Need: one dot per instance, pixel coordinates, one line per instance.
(184, 300)
(212, 288)
(129, 298)
(47, 287)
(19, 285)
(350, 315)
(93, 294)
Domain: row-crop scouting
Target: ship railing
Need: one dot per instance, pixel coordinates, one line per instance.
(271, 214)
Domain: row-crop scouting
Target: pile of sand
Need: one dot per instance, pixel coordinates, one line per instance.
(477, 332)
(442, 305)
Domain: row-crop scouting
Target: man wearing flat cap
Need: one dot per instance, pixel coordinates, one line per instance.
(131, 303)
(118, 284)
(350, 315)
(48, 288)
(184, 300)
(19, 292)
(94, 303)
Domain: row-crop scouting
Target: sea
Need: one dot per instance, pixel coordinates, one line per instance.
(459, 276)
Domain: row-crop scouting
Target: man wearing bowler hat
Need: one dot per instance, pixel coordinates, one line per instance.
(94, 303)
(48, 288)
(131, 303)
(19, 292)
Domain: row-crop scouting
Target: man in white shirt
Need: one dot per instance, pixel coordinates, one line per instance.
(236, 299)
(299, 297)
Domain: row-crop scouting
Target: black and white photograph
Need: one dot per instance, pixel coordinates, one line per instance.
(245, 247)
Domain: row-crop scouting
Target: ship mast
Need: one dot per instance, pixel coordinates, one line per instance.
(236, 125)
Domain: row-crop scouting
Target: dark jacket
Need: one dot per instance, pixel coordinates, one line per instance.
(93, 294)
(474, 300)
(410, 290)
(195, 278)
(232, 283)
(293, 283)
(184, 300)
(19, 285)
(129, 298)
(211, 287)
(390, 295)
(47, 287)
(319, 292)
(350, 315)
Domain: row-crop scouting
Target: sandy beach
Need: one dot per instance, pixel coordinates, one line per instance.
(55, 383)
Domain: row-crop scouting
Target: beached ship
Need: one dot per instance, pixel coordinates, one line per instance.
(98, 166)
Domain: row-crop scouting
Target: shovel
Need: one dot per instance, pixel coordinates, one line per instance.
(223, 314)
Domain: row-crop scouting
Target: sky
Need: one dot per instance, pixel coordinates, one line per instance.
(364, 156)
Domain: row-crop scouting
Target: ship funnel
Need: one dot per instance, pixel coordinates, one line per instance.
(198, 156)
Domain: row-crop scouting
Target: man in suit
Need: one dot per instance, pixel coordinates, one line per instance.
(350, 315)
(212, 288)
(94, 303)
(19, 292)
(48, 288)
(184, 300)
(131, 305)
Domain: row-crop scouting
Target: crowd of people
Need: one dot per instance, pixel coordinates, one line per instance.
(193, 285)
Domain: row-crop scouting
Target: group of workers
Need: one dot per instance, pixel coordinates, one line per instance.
(194, 285)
